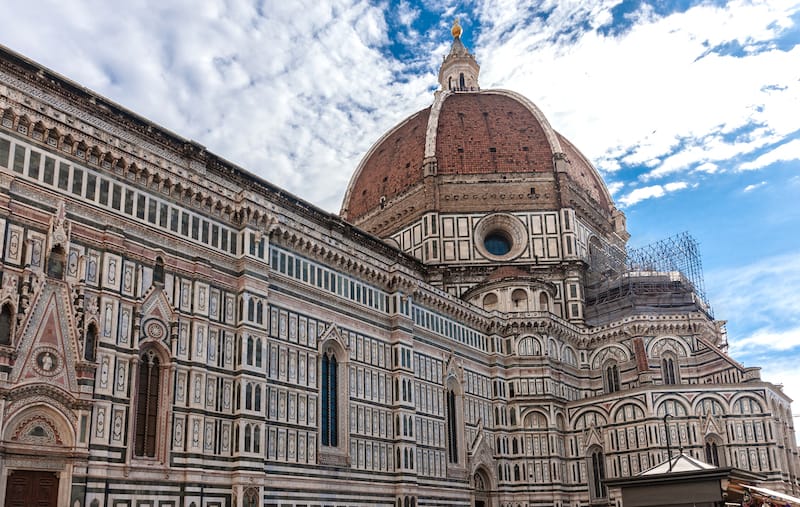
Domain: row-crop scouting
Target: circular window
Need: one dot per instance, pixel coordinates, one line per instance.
(497, 243)
(500, 236)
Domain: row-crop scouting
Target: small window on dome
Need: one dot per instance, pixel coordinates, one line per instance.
(497, 243)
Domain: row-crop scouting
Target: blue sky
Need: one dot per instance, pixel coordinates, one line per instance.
(689, 108)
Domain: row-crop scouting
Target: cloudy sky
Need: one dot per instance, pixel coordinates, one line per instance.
(690, 109)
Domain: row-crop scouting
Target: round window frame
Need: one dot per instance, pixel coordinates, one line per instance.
(501, 224)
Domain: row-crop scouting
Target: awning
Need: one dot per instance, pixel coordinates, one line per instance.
(773, 494)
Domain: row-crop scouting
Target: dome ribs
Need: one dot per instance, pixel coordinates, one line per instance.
(394, 165)
(485, 133)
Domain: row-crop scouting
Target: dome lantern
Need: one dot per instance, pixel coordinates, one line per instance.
(459, 70)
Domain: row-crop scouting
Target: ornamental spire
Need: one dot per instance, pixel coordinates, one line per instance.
(459, 70)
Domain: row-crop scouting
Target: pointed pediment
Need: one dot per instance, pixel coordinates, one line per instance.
(332, 333)
(156, 305)
(157, 313)
(480, 452)
(48, 345)
(593, 437)
(711, 425)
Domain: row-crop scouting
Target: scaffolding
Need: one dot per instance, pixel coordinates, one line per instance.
(679, 253)
(666, 275)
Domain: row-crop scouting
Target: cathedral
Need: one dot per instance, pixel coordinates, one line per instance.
(470, 330)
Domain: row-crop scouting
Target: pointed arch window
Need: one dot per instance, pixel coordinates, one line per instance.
(612, 383)
(330, 419)
(452, 429)
(56, 262)
(597, 475)
(712, 452)
(90, 343)
(158, 271)
(147, 405)
(6, 324)
(668, 370)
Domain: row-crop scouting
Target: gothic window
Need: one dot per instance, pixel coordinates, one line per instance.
(158, 271)
(248, 397)
(250, 498)
(256, 439)
(56, 262)
(668, 370)
(147, 404)
(330, 416)
(516, 472)
(597, 473)
(249, 351)
(90, 343)
(611, 378)
(248, 436)
(712, 452)
(6, 321)
(452, 429)
(258, 352)
(257, 400)
(461, 83)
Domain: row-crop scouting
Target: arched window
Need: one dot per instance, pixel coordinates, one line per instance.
(56, 262)
(256, 438)
(514, 446)
(257, 400)
(258, 352)
(519, 299)
(668, 370)
(248, 396)
(330, 416)
(612, 378)
(544, 302)
(90, 343)
(6, 324)
(712, 452)
(597, 473)
(158, 271)
(147, 404)
(250, 498)
(516, 472)
(452, 429)
(249, 359)
(490, 301)
(461, 83)
(248, 438)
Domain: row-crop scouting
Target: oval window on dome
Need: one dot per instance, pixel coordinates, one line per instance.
(497, 243)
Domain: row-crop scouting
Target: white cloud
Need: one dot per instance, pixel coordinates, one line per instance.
(766, 339)
(784, 152)
(759, 295)
(647, 94)
(615, 187)
(750, 188)
(643, 193)
(298, 91)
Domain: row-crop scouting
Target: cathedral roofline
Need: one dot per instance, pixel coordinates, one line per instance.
(187, 149)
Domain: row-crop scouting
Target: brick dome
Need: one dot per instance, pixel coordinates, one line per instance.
(489, 137)
(473, 151)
